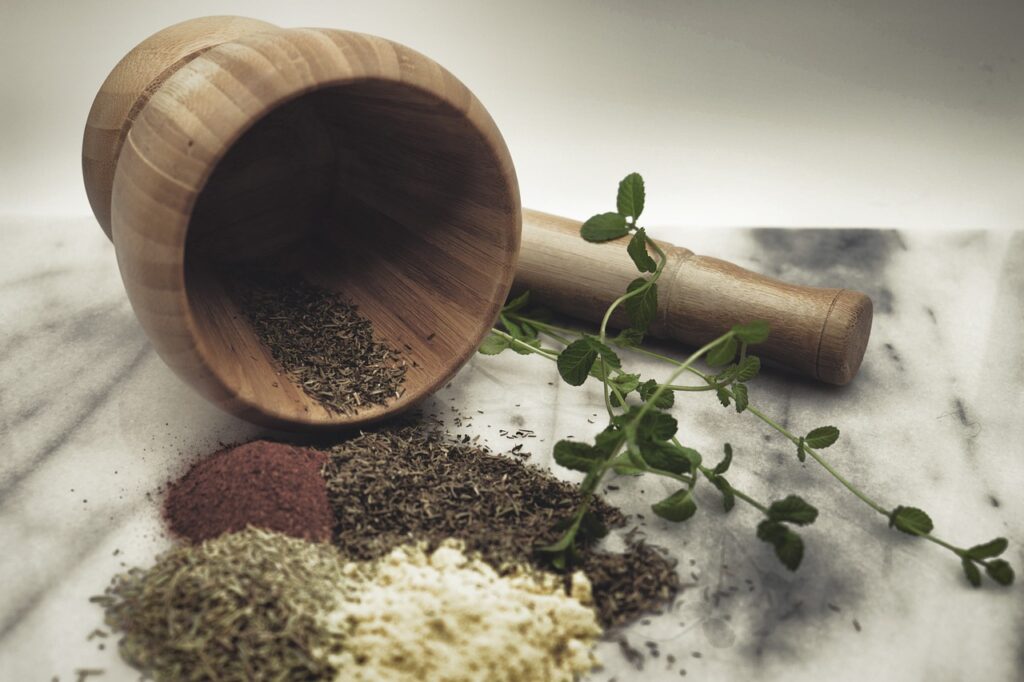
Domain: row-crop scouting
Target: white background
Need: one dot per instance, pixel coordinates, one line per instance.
(871, 113)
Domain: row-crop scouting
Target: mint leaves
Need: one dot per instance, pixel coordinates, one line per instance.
(604, 227)
(630, 198)
(643, 438)
(911, 521)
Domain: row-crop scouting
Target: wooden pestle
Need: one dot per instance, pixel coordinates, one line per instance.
(819, 332)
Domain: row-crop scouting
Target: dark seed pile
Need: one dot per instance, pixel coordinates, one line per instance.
(324, 344)
(415, 482)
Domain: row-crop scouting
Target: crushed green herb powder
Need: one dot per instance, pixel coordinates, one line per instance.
(244, 606)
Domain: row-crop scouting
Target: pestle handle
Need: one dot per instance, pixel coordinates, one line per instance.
(819, 332)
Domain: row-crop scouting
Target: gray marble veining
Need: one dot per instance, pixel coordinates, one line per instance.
(92, 423)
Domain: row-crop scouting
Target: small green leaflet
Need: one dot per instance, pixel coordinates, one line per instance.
(666, 457)
(748, 368)
(677, 507)
(789, 548)
(801, 454)
(723, 466)
(728, 496)
(792, 509)
(657, 425)
(911, 520)
(630, 199)
(575, 361)
(606, 353)
(604, 227)
(972, 572)
(608, 440)
(628, 338)
(642, 308)
(1000, 571)
(493, 344)
(664, 401)
(517, 302)
(576, 456)
(637, 250)
(739, 392)
(754, 332)
(723, 352)
(625, 382)
(822, 437)
(723, 396)
(989, 549)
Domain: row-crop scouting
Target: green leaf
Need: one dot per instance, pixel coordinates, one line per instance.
(748, 368)
(518, 347)
(610, 357)
(792, 509)
(739, 392)
(629, 338)
(789, 548)
(822, 437)
(642, 308)
(989, 549)
(665, 456)
(723, 396)
(626, 382)
(493, 344)
(911, 521)
(576, 456)
(604, 227)
(625, 469)
(630, 199)
(723, 466)
(754, 332)
(575, 361)
(608, 440)
(657, 425)
(972, 572)
(677, 507)
(728, 496)
(723, 352)
(801, 454)
(517, 302)
(1000, 571)
(637, 250)
(664, 401)
(669, 457)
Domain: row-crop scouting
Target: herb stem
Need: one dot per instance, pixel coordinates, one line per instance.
(545, 352)
(738, 493)
(820, 460)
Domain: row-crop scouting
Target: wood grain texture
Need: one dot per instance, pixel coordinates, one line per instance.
(822, 333)
(354, 160)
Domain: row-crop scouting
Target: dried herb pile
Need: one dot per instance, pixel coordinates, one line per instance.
(324, 344)
(245, 606)
(414, 482)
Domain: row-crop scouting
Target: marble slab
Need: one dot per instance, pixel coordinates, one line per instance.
(92, 423)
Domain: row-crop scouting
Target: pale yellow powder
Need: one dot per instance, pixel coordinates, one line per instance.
(444, 617)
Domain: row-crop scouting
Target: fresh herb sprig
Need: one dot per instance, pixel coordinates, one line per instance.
(641, 436)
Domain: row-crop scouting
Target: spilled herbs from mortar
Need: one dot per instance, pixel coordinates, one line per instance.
(641, 435)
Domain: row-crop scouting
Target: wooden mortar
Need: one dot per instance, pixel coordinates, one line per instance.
(223, 142)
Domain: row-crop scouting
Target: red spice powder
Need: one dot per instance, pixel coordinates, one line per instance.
(268, 485)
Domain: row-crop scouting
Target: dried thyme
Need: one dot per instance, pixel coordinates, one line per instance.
(243, 606)
(414, 482)
(324, 344)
